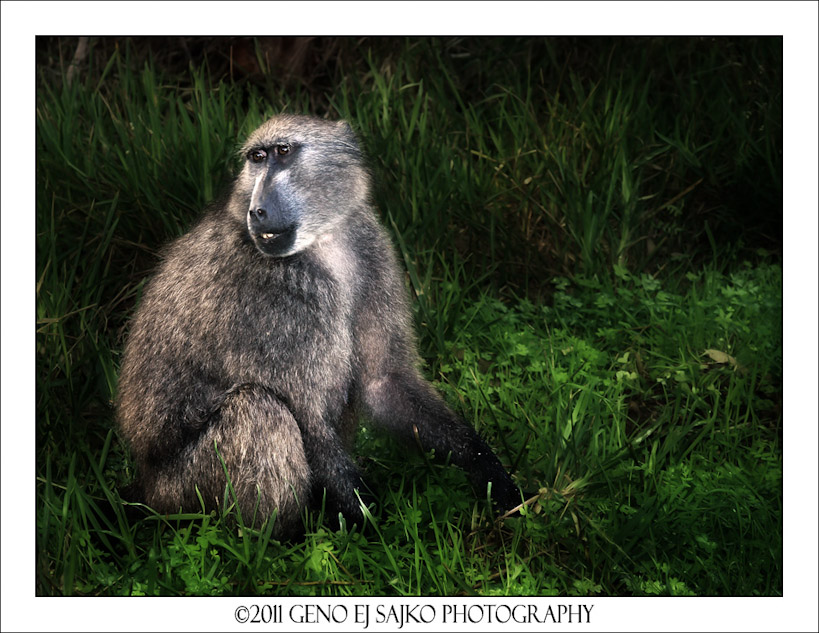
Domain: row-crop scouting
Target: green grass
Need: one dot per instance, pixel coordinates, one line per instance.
(591, 292)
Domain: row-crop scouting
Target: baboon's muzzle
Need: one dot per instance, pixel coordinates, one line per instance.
(271, 238)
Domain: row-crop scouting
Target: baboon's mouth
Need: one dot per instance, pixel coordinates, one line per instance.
(276, 244)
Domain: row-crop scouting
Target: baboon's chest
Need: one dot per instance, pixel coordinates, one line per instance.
(293, 331)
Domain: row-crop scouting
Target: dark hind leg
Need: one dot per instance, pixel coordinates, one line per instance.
(260, 443)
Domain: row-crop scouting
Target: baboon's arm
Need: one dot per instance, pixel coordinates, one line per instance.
(396, 396)
(333, 471)
(406, 404)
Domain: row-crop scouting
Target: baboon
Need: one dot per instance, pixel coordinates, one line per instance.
(268, 329)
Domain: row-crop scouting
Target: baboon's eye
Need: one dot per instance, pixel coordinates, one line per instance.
(257, 155)
(283, 149)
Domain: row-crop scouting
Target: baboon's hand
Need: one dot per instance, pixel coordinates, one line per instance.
(350, 509)
(490, 475)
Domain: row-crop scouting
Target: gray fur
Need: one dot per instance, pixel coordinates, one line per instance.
(269, 328)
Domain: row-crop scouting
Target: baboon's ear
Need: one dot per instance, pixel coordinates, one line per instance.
(349, 134)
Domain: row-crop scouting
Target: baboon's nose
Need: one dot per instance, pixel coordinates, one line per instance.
(259, 213)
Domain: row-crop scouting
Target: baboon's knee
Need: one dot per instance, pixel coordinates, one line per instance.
(255, 440)
(261, 446)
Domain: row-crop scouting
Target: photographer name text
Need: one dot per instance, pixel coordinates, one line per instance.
(398, 615)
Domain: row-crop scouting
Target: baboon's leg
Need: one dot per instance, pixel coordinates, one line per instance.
(409, 406)
(260, 443)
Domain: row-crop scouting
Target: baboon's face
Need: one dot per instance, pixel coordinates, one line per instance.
(301, 177)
